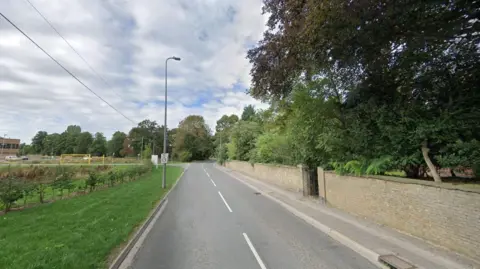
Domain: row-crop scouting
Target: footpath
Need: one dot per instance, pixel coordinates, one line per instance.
(369, 239)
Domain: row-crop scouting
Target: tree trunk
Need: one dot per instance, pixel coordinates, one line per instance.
(452, 173)
(433, 170)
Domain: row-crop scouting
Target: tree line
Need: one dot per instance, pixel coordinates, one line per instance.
(192, 140)
(363, 87)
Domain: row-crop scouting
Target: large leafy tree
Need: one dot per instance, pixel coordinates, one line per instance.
(242, 140)
(52, 144)
(193, 139)
(69, 138)
(150, 133)
(37, 141)
(404, 72)
(83, 143)
(248, 113)
(99, 145)
(115, 145)
(225, 123)
(222, 134)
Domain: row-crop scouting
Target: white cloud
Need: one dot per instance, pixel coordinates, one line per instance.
(127, 43)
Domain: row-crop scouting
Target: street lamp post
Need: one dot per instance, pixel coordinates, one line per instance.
(165, 122)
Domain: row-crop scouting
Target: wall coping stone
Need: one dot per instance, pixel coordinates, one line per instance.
(441, 185)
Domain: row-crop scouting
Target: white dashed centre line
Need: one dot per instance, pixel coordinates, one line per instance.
(229, 209)
(255, 253)
(213, 182)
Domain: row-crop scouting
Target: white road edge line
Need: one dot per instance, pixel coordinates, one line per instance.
(255, 253)
(213, 182)
(367, 253)
(128, 261)
(221, 196)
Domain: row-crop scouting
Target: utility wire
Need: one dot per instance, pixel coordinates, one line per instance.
(68, 43)
(66, 70)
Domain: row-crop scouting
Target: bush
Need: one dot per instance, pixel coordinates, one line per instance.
(112, 177)
(10, 191)
(92, 180)
(28, 188)
(121, 175)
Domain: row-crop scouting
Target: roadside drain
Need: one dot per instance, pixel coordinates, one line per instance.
(395, 262)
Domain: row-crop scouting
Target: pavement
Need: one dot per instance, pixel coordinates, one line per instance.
(214, 220)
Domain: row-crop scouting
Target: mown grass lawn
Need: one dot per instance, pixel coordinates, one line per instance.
(82, 231)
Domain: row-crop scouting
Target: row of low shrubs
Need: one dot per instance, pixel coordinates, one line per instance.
(56, 160)
(37, 184)
(40, 171)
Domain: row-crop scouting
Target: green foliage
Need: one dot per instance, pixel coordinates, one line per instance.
(147, 153)
(73, 140)
(68, 139)
(185, 156)
(40, 188)
(92, 180)
(462, 155)
(80, 232)
(99, 145)
(121, 175)
(232, 150)
(37, 141)
(248, 113)
(193, 139)
(243, 138)
(379, 166)
(355, 90)
(339, 167)
(115, 145)
(131, 174)
(63, 180)
(83, 142)
(225, 123)
(10, 191)
(222, 153)
(313, 125)
(52, 144)
(272, 147)
(112, 178)
(355, 167)
(28, 189)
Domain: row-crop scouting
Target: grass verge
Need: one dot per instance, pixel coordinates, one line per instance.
(79, 232)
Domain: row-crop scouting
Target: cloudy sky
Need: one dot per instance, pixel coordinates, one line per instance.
(126, 42)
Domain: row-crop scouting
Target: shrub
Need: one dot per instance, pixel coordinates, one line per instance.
(131, 173)
(121, 175)
(112, 177)
(92, 180)
(28, 189)
(10, 191)
(102, 178)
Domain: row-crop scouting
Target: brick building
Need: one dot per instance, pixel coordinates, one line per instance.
(9, 146)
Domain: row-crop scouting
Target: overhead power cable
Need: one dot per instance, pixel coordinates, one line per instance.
(68, 43)
(64, 68)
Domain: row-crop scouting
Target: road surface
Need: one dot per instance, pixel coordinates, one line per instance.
(214, 221)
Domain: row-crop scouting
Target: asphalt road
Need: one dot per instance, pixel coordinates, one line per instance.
(214, 221)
